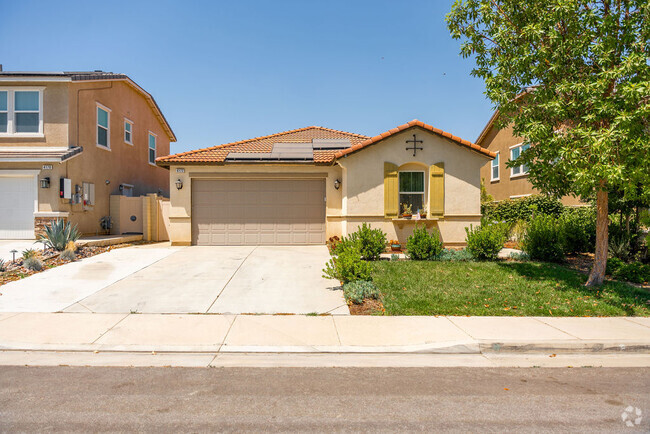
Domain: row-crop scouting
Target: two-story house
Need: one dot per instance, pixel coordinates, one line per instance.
(502, 182)
(69, 140)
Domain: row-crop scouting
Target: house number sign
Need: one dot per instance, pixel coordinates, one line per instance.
(415, 148)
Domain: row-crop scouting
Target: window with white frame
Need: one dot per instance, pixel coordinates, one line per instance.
(152, 148)
(21, 111)
(495, 168)
(515, 152)
(128, 131)
(411, 190)
(103, 126)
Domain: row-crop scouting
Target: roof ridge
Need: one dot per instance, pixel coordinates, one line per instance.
(224, 145)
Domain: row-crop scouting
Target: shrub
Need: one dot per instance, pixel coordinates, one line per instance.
(620, 247)
(422, 245)
(30, 253)
(33, 263)
(519, 256)
(360, 290)
(58, 234)
(613, 264)
(347, 265)
(332, 242)
(371, 242)
(635, 272)
(455, 255)
(524, 208)
(543, 240)
(578, 229)
(68, 255)
(486, 241)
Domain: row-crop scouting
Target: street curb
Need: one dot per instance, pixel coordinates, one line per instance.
(450, 347)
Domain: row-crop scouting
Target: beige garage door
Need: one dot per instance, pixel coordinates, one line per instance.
(258, 212)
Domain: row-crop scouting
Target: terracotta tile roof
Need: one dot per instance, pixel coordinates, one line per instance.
(218, 154)
(415, 123)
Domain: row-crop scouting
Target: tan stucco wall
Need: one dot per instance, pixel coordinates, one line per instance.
(506, 187)
(63, 104)
(55, 116)
(361, 196)
(363, 184)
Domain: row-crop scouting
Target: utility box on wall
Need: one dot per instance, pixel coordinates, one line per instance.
(65, 188)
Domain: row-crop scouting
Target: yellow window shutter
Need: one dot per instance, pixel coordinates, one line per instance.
(391, 190)
(437, 189)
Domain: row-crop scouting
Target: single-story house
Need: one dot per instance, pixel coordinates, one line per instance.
(306, 185)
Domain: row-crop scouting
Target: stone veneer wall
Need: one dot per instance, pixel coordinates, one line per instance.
(40, 222)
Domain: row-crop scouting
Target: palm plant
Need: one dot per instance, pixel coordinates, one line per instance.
(58, 234)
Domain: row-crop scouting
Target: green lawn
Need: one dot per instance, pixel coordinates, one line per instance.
(500, 288)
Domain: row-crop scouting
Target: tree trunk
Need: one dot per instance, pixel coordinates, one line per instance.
(597, 275)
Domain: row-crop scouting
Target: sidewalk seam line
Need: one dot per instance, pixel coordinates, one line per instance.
(336, 329)
(337, 307)
(634, 322)
(212, 360)
(110, 328)
(223, 342)
(119, 280)
(231, 277)
(556, 328)
(459, 328)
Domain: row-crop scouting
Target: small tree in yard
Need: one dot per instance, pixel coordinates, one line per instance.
(582, 69)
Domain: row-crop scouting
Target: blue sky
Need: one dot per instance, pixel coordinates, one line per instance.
(225, 71)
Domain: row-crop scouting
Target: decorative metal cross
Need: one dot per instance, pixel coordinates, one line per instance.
(415, 142)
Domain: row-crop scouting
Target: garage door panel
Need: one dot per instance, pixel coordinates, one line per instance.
(17, 199)
(256, 212)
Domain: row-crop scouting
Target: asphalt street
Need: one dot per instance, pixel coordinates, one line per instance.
(323, 399)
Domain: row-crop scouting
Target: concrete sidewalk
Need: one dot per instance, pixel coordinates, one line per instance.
(319, 334)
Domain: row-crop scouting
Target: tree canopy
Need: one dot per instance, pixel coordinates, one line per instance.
(573, 78)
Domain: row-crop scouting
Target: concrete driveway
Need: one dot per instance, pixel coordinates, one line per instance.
(163, 279)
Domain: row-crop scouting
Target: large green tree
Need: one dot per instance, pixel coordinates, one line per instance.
(573, 78)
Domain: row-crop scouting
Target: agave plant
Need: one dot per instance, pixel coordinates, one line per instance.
(58, 234)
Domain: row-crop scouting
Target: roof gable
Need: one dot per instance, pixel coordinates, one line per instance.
(415, 123)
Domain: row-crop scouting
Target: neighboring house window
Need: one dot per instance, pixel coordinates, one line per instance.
(88, 194)
(4, 111)
(411, 190)
(128, 131)
(152, 148)
(103, 126)
(21, 111)
(495, 168)
(515, 152)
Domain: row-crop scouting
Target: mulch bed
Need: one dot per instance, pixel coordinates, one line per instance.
(369, 307)
(51, 259)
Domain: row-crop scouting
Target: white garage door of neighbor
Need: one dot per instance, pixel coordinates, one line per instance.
(17, 203)
(258, 212)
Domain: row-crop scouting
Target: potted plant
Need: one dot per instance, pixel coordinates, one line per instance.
(423, 212)
(395, 246)
(407, 211)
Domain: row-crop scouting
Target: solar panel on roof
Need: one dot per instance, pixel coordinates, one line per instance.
(292, 151)
(324, 144)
